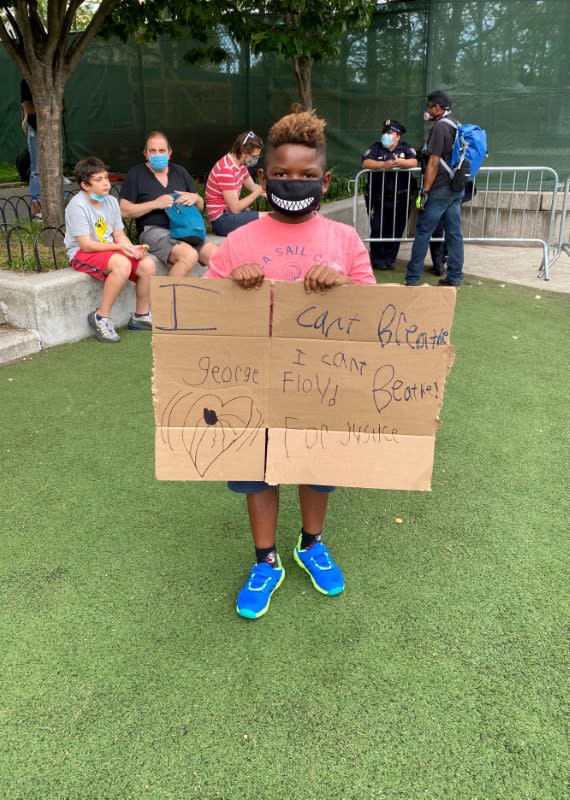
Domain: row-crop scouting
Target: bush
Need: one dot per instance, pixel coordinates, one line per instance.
(8, 173)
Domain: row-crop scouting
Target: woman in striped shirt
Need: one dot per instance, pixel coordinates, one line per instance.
(226, 209)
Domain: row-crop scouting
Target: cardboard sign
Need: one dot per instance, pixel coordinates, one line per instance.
(346, 390)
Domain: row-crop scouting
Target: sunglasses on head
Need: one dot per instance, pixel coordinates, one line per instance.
(250, 135)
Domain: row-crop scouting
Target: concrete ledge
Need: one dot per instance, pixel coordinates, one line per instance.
(15, 344)
(55, 304)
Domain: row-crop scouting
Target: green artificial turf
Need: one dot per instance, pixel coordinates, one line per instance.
(440, 674)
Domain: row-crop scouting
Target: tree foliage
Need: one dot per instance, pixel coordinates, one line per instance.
(300, 31)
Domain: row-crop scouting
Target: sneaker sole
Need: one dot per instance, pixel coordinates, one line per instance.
(98, 335)
(331, 592)
(247, 614)
(107, 341)
(133, 327)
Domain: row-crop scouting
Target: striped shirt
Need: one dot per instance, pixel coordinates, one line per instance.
(224, 177)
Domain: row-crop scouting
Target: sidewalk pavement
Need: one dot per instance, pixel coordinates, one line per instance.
(509, 265)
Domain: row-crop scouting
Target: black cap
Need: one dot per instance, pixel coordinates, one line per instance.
(440, 98)
(393, 125)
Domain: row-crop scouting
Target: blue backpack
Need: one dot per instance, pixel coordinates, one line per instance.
(469, 151)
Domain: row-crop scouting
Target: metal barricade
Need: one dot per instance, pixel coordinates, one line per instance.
(509, 204)
(563, 238)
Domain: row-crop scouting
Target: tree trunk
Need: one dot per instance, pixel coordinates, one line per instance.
(41, 47)
(303, 67)
(48, 103)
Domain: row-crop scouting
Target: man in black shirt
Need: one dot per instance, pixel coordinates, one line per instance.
(147, 190)
(439, 201)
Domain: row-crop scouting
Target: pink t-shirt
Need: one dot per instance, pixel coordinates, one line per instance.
(224, 176)
(286, 252)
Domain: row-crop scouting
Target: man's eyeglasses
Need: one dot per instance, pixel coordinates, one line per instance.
(250, 135)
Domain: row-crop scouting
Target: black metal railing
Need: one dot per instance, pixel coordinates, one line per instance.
(27, 244)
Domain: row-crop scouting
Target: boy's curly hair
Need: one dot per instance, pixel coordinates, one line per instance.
(299, 127)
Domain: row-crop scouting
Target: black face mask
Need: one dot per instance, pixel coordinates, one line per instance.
(294, 197)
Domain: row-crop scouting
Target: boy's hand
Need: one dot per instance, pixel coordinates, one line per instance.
(141, 250)
(137, 251)
(322, 277)
(249, 276)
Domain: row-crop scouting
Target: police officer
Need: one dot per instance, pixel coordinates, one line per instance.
(387, 198)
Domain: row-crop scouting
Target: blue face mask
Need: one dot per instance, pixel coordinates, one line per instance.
(98, 197)
(387, 139)
(158, 162)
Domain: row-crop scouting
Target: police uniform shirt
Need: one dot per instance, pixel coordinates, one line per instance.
(380, 153)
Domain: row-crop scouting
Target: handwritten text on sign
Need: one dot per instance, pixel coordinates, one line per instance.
(348, 386)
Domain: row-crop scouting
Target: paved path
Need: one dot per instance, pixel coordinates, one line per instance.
(517, 265)
(505, 264)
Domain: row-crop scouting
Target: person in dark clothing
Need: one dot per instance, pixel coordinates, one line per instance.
(439, 202)
(387, 195)
(149, 189)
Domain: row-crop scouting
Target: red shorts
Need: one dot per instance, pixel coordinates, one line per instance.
(96, 264)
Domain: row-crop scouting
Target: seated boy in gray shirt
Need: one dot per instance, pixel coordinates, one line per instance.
(96, 243)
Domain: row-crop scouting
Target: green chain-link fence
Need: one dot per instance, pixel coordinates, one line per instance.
(506, 64)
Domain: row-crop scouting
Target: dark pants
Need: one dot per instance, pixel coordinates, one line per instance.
(387, 222)
(438, 250)
(443, 206)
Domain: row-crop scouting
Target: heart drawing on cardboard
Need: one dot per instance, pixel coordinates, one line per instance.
(206, 427)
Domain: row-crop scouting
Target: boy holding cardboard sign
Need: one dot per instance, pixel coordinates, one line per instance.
(292, 243)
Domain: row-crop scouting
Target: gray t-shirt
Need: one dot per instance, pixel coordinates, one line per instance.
(82, 218)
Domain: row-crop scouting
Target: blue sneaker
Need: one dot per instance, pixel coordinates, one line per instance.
(253, 600)
(324, 573)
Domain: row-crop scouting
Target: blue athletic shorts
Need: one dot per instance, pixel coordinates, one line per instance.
(254, 487)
